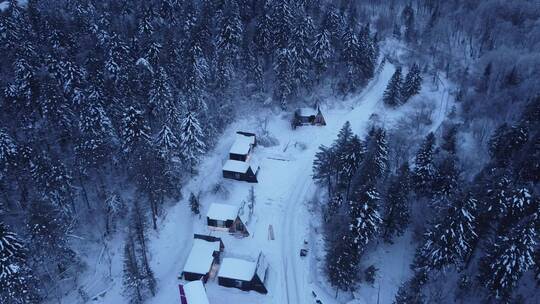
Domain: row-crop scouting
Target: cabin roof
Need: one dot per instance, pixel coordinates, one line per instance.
(201, 256)
(236, 166)
(237, 269)
(242, 144)
(222, 212)
(195, 293)
(262, 265)
(307, 111)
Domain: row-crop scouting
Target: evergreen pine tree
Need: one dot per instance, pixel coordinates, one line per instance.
(349, 159)
(375, 162)
(324, 167)
(396, 215)
(333, 206)
(449, 139)
(392, 95)
(134, 130)
(446, 180)
(133, 285)
(284, 76)
(160, 98)
(322, 52)
(424, 169)
(194, 203)
(166, 142)
(282, 22)
(410, 30)
(507, 259)
(412, 84)
(451, 241)
(16, 279)
(365, 219)
(342, 263)
(8, 151)
(301, 48)
(191, 140)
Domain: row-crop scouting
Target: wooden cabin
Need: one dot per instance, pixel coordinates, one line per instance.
(204, 255)
(244, 275)
(240, 170)
(308, 116)
(193, 293)
(242, 146)
(228, 218)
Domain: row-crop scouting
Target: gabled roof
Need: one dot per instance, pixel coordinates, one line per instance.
(262, 266)
(236, 166)
(242, 144)
(237, 269)
(201, 256)
(222, 212)
(307, 111)
(195, 293)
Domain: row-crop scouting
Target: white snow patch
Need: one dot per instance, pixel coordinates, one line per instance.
(222, 212)
(237, 269)
(201, 256)
(195, 293)
(236, 166)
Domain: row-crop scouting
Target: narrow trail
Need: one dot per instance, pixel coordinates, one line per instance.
(299, 280)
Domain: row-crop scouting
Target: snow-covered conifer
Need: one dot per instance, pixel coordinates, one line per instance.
(134, 130)
(365, 219)
(396, 211)
(412, 84)
(451, 241)
(322, 52)
(392, 95)
(191, 140)
(15, 276)
(8, 150)
(424, 169)
(507, 258)
(194, 203)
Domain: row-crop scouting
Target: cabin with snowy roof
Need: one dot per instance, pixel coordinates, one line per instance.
(243, 274)
(240, 170)
(242, 146)
(203, 259)
(193, 293)
(308, 116)
(228, 218)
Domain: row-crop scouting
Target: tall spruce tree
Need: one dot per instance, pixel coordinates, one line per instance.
(392, 95)
(412, 84)
(424, 169)
(396, 212)
(451, 241)
(17, 284)
(191, 140)
(364, 217)
(507, 258)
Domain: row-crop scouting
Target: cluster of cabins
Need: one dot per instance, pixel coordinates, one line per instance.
(205, 260)
(241, 165)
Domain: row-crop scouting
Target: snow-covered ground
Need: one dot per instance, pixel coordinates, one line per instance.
(283, 194)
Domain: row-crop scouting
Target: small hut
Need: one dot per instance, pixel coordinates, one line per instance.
(308, 116)
(227, 218)
(202, 258)
(242, 146)
(239, 170)
(244, 275)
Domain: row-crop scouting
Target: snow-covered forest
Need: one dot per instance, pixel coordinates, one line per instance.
(422, 187)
